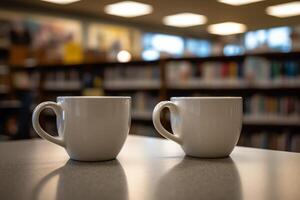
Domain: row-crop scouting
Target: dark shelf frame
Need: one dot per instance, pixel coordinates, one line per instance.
(164, 91)
(270, 55)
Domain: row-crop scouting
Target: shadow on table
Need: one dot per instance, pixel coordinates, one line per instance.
(197, 179)
(85, 180)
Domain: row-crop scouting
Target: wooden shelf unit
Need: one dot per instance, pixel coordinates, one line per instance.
(164, 89)
(162, 85)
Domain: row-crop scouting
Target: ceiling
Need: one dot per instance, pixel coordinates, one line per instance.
(253, 15)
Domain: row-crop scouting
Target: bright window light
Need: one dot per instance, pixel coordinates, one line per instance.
(201, 48)
(61, 1)
(128, 9)
(279, 39)
(238, 2)
(255, 39)
(233, 49)
(227, 28)
(123, 56)
(284, 10)
(261, 36)
(150, 54)
(184, 20)
(170, 44)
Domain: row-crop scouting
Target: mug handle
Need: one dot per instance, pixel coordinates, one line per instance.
(157, 123)
(36, 124)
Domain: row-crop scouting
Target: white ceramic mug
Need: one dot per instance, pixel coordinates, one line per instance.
(207, 127)
(89, 128)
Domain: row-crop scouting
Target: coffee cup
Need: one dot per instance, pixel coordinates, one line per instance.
(207, 127)
(89, 128)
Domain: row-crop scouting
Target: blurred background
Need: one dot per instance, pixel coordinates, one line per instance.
(153, 50)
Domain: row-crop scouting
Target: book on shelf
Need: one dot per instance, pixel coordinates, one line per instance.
(131, 84)
(258, 105)
(92, 85)
(132, 73)
(73, 53)
(259, 140)
(282, 141)
(68, 80)
(4, 80)
(295, 144)
(144, 115)
(254, 70)
(63, 80)
(179, 71)
(278, 140)
(23, 80)
(143, 102)
(132, 77)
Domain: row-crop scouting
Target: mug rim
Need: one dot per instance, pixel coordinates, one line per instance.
(94, 97)
(212, 98)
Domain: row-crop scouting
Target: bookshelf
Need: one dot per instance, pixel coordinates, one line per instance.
(3, 89)
(274, 120)
(248, 119)
(141, 115)
(234, 85)
(10, 104)
(132, 85)
(268, 82)
(149, 82)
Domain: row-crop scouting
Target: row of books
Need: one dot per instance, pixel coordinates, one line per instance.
(70, 79)
(278, 140)
(63, 79)
(263, 69)
(92, 85)
(3, 69)
(143, 102)
(3, 76)
(23, 80)
(52, 80)
(252, 69)
(132, 72)
(272, 105)
(256, 105)
(3, 80)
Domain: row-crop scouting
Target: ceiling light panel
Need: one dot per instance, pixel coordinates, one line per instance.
(227, 28)
(238, 2)
(184, 20)
(128, 9)
(63, 2)
(284, 10)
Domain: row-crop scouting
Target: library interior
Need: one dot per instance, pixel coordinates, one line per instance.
(151, 51)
